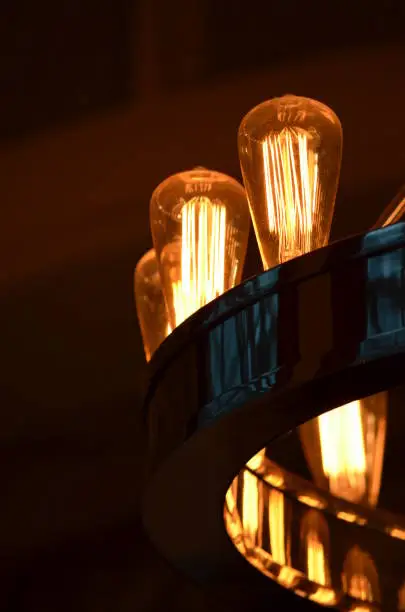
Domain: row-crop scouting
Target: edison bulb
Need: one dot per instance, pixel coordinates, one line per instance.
(200, 226)
(290, 152)
(344, 449)
(150, 304)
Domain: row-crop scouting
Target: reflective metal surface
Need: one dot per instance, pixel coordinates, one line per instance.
(321, 511)
(316, 333)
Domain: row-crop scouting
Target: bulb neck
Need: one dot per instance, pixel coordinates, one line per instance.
(290, 254)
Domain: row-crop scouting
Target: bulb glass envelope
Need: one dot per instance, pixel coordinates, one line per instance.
(290, 152)
(200, 226)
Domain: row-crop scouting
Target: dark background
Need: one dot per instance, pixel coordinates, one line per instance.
(100, 101)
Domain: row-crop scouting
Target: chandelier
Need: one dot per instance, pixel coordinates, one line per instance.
(268, 401)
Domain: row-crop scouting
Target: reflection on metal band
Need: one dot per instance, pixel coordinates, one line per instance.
(269, 510)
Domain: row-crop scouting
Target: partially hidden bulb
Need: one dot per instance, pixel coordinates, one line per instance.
(150, 303)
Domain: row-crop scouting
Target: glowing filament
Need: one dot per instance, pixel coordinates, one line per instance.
(277, 530)
(202, 256)
(250, 507)
(231, 496)
(360, 578)
(291, 183)
(316, 563)
(277, 526)
(343, 451)
(396, 532)
(360, 588)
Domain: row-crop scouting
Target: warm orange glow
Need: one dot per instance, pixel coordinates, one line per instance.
(292, 190)
(401, 598)
(324, 596)
(250, 527)
(271, 472)
(200, 226)
(231, 496)
(360, 577)
(202, 256)
(275, 480)
(375, 436)
(315, 534)
(290, 152)
(396, 532)
(250, 507)
(311, 501)
(278, 538)
(349, 517)
(352, 442)
(256, 462)
(343, 451)
(277, 526)
(316, 563)
(360, 588)
(288, 576)
(393, 212)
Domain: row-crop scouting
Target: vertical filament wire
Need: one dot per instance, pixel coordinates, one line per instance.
(343, 451)
(250, 507)
(291, 183)
(277, 526)
(316, 561)
(202, 256)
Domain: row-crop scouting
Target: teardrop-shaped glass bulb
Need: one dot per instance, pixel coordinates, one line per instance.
(200, 227)
(344, 449)
(290, 152)
(150, 303)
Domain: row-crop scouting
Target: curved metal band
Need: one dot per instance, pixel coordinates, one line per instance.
(281, 348)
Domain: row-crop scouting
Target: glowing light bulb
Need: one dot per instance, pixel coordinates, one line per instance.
(252, 509)
(150, 304)
(360, 578)
(200, 226)
(315, 540)
(344, 449)
(290, 151)
(277, 526)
